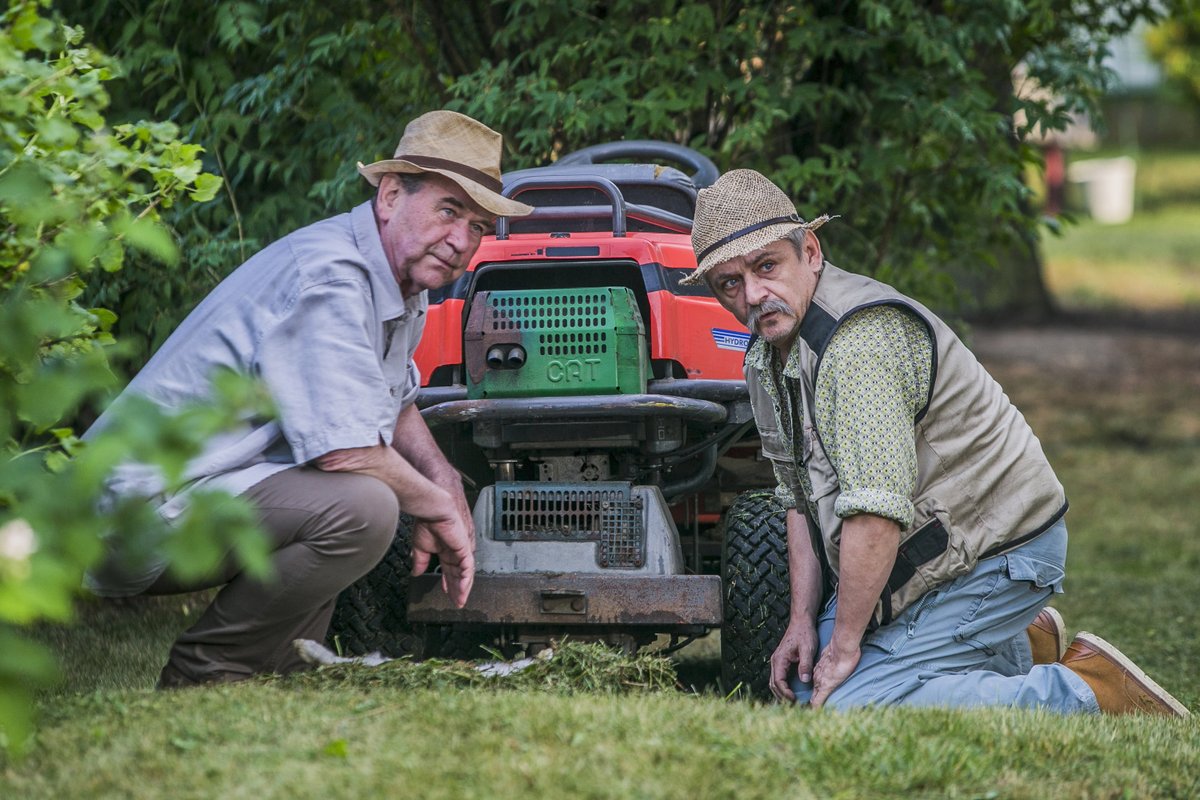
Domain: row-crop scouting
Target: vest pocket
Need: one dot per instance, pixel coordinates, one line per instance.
(930, 556)
(772, 444)
(820, 471)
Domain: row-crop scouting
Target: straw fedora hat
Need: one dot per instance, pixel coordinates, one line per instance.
(456, 147)
(740, 213)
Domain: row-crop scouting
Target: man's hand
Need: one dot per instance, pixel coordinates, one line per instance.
(413, 441)
(794, 655)
(834, 666)
(869, 546)
(444, 526)
(453, 543)
(464, 510)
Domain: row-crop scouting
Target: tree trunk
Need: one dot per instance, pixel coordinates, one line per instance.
(1014, 290)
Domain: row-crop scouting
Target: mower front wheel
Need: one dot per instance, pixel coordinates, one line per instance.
(371, 614)
(754, 575)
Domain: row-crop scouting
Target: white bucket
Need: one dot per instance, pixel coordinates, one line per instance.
(1107, 187)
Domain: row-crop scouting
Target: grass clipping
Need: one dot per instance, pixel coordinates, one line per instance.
(576, 667)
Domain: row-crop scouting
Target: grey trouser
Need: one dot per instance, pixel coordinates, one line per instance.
(326, 529)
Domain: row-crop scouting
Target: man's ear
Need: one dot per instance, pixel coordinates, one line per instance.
(387, 196)
(812, 250)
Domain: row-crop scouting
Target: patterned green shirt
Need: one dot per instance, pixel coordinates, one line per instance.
(874, 379)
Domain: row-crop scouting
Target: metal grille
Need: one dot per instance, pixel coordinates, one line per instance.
(603, 512)
(536, 311)
(580, 341)
(584, 343)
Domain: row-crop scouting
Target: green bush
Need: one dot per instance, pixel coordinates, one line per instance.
(76, 197)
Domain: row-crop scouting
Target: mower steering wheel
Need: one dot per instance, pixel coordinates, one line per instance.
(703, 171)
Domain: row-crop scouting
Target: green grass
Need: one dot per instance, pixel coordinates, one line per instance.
(1152, 262)
(1117, 416)
(275, 741)
(1116, 411)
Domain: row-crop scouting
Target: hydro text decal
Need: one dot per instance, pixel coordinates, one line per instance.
(731, 340)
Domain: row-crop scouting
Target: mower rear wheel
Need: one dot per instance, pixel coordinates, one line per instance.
(754, 575)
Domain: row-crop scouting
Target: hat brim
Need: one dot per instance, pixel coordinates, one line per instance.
(484, 197)
(740, 247)
(743, 245)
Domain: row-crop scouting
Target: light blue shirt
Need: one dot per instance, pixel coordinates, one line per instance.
(318, 317)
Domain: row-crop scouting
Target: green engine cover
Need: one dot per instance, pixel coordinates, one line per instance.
(571, 341)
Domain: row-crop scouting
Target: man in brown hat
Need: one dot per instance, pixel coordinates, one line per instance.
(328, 318)
(914, 488)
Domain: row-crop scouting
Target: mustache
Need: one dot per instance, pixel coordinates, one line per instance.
(767, 307)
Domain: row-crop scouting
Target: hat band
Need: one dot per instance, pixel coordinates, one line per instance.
(744, 231)
(431, 162)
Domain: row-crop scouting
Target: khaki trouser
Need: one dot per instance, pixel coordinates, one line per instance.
(327, 529)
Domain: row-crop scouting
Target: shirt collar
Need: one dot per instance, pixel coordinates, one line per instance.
(759, 355)
(764, 358)
(792, 368)
(389, 303)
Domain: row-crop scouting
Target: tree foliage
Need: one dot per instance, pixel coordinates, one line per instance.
(1175, 45)
(897, 114)
(77, 197)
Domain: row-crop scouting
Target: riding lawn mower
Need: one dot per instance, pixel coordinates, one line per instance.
(597, 412)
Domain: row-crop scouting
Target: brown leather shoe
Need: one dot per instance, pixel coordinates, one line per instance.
(1120, 687)
(1047, 636)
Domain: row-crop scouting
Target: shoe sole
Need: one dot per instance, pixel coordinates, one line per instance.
(1135, 672)
(1060, 627)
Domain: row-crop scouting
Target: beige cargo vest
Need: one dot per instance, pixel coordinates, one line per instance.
(984, 485)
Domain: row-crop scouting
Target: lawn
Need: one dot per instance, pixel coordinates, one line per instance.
(1117, 412)
(1150, 263)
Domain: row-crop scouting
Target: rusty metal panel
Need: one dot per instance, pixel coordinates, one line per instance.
(572, 599)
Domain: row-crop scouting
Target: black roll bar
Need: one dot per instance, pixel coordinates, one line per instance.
(618, 209)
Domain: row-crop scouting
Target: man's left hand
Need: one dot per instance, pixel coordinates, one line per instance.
(833, 668)
(448, 539)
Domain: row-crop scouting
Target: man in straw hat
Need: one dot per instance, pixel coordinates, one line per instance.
(927, 508)
(329, 318)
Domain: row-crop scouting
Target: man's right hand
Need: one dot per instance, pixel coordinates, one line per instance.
(795, 654)
(444, 527)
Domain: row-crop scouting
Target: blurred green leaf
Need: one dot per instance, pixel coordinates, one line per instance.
(206, 189)
(337, 748)
(151, 238)
(73, 195)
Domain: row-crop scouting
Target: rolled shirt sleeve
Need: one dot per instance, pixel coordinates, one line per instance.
(873, 381)
(783, 487)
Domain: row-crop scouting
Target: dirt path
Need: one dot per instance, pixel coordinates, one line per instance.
(1091, 354)
(1143, 378)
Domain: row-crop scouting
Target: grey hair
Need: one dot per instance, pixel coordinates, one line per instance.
(411, 182)
(796, 236)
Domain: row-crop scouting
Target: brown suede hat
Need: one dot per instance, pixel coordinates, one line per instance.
(456, 147)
